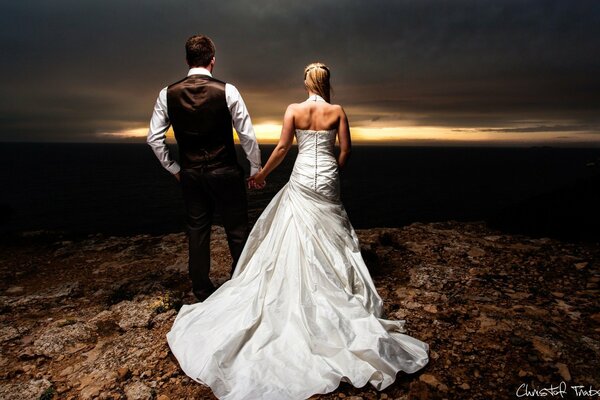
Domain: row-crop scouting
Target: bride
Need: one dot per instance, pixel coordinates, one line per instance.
(301, 312)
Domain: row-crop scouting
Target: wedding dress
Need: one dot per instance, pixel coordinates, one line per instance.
(301, 312)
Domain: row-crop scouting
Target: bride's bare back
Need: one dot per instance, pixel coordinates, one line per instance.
(316, 115)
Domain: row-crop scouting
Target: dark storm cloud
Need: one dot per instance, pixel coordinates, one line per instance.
(73, 69)
(546, 128)
(540, 128)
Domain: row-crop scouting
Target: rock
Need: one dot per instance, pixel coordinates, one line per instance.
(518, 295)
(57, 340)
(55, 294)
(485, 323)
(165, 317)
(544, 348)
(431, 308)
(94, 383)
(419, 390)
(146, 374)
(523, 247)
(89, 392)
(180, 266)
(8, 333)
(430, 380)
(567, 309)
(33, 389)
(563, 370)
(416, 247)
(581, 265)
(411, 305)
(134, 314)
(123, 373)
(518, 341)
(164, 377)
(419, 279)
(492, 238)
(62, 388)
(67, 371)
(138, 391)
(476, 252)
(484, 299)
(535, 311)
(104, 323)
(15, 290)
(523, 373)
(465, 386)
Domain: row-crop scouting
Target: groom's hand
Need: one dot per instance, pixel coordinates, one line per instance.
(252, 184)
(178, 177)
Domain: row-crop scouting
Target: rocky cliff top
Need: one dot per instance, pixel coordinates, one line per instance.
(87, 318)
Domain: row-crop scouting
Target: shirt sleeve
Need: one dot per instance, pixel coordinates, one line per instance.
(159, 124)
(243, 127)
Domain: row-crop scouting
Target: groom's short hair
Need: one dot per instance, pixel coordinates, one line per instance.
(199, 51)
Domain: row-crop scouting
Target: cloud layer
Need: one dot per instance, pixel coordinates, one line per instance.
(74, 70)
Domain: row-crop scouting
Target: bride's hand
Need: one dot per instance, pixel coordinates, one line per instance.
(253, 184)
(257, 180)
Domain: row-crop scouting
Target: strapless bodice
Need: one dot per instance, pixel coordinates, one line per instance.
(316, 166)
(320, 142)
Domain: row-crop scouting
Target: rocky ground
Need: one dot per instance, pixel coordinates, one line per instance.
(87, 318)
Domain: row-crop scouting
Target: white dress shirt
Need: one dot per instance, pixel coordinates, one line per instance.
(159, 124)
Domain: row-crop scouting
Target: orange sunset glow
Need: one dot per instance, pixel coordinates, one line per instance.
(268, 133)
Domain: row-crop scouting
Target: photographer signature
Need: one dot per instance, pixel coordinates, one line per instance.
(560, 390)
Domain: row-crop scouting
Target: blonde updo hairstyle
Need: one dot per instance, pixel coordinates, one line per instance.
(316, 79)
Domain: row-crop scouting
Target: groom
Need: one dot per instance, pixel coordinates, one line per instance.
(201, 110)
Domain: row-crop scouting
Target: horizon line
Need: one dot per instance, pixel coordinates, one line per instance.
(360, 143)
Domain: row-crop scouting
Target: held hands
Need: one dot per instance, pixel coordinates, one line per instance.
(256, 181)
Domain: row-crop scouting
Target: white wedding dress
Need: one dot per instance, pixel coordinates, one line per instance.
(301, 312)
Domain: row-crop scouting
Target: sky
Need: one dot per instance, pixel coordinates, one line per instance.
(406, 72)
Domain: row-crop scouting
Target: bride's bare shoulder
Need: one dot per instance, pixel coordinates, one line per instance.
(338, 109)
(293, 108)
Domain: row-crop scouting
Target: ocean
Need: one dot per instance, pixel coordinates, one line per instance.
(121, 189)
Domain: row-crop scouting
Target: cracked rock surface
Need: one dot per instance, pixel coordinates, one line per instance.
(87, 318)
